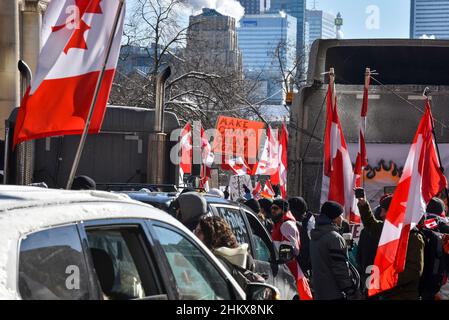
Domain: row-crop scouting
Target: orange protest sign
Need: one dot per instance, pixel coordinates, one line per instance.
(238, 137)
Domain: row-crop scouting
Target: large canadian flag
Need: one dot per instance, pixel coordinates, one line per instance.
(75, 37)
(421, 180)
(337, 172)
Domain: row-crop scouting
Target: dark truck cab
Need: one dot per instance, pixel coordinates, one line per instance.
(246, 227)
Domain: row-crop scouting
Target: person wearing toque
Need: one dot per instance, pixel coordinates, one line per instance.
(332, 278)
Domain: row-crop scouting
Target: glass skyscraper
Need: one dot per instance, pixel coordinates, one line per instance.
(321, 25)
(297, 9)
(429, 18)
(259, 36)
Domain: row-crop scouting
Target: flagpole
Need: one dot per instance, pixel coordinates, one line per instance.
(426, 95)
(79, 151)
(367, 80)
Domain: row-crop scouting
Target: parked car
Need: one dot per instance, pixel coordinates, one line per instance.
(247, 229)
(57, 244)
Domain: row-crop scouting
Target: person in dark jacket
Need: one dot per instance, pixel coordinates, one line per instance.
(331, 274)
(305, 221)
(408, 280)
(433, 227)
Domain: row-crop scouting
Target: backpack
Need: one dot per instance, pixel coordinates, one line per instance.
(435, 264)
(241, 275)
(303, 258)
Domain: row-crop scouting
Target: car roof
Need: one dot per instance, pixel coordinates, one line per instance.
(163, 197)
(16, 197)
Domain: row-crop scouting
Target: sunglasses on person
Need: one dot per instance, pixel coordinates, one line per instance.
(275, 208)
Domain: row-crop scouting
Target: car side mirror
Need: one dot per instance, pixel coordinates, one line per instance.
(262, 291)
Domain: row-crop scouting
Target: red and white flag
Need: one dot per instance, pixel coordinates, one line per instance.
(421, 180)
(185, 165)
(257, 189)
(268, 191)
(337, 172)
(75, 37)
(283, 163)
(268, 163)
(361, 160)
(238, 166)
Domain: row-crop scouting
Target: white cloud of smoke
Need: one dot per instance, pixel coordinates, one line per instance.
(231, 8)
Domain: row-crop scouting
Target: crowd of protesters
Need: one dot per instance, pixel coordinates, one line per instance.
(328, 265)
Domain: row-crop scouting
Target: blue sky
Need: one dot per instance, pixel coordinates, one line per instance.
(393, 22)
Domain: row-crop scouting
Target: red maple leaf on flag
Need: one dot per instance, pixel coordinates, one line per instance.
(77, 39)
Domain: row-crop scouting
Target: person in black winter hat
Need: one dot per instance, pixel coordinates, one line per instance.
(333, 211)
(435, 206)
(332, 277)
(305, 222)
(298, 207)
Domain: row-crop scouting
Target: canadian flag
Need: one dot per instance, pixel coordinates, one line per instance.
(185, 165)
(207, 160)
(268, 191)
(75, 35)
(238, 166)
(421, 180)
(268, 163)
(338, 176)
(283, 161)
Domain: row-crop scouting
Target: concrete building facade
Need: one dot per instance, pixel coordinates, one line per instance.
(212, 41)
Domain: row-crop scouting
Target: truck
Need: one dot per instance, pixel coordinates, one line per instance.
(401, 70)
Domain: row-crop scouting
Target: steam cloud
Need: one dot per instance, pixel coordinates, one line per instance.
(231, 8)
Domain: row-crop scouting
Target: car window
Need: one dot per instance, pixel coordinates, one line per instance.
(120, 263)
(196, 277)
(261, 241)
(52, 266)
(234, 218)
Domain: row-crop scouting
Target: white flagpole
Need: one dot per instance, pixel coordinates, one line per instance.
(79, 151)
